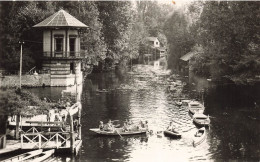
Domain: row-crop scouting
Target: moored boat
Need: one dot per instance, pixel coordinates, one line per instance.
(43, 156)
(199, 136)
(195, 107)
(201, 120)
(118, 132)
(24, 156)
(173, 133)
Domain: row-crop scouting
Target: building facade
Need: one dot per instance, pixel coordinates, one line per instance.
(62, 55)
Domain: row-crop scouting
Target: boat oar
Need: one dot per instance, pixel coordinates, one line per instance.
(118, 133)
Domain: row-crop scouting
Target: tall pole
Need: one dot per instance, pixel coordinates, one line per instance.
(20, 86)
(21, 62)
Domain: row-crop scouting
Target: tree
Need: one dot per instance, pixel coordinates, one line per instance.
(228, 32)
(178, 37)
(17, 102)
(17, 19)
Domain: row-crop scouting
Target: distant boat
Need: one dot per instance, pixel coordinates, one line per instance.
(178, 103)
(185, 102)
(196, 107)
(201, 120)
(173, 133)
(199, 137)
(118, 132)
(24, 156)
(102, 90)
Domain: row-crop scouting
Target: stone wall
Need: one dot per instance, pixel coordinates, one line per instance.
(27, 80)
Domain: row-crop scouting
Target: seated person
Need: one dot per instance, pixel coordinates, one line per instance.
(198, 134)
(109, 126)
(101, 126)
(146, 125)
(125, 127)
(170, 127)
(142, 124)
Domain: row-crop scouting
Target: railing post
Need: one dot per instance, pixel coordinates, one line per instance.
(22, 141)
(57, 140)
(40, 140)
(72, 138)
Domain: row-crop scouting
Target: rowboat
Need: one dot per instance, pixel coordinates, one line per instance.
(173, 133)
(199, 137)
(195, 107)
(201, 120)
(118, 132)
(102, 90)
(24, 156)
(43, 156)
(185, 102)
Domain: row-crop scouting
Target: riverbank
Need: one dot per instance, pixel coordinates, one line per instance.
(39, 80)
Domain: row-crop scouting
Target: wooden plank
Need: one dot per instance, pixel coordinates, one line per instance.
(39, 122)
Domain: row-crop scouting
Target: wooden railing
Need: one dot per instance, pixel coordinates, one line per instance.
(45, 140)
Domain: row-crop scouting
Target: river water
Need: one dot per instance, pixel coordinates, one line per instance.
(142, 95)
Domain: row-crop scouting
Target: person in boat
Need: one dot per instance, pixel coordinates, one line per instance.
(170, 127)
(146, 125)
(109, 126)
(125, 127)
(101, 126)
(142, 124)
(198, 134)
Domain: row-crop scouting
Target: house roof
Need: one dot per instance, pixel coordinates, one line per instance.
(151, 38)
(61, 19)
(188, 56)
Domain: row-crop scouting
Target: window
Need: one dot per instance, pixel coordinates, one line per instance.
(72, 42)
(72, 68)
(157, 43)
(58, 43)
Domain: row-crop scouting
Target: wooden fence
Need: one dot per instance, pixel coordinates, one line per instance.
(45, 140)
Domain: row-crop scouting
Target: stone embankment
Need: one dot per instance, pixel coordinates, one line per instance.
(27, 80)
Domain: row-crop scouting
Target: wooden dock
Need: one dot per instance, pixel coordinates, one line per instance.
(11, 145)
(62, 140)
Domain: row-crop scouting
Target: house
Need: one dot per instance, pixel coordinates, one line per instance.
(184, 65)
(61, 48)
(153, 42)
(162, 52)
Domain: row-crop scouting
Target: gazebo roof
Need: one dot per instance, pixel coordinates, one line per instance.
(61, 19)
